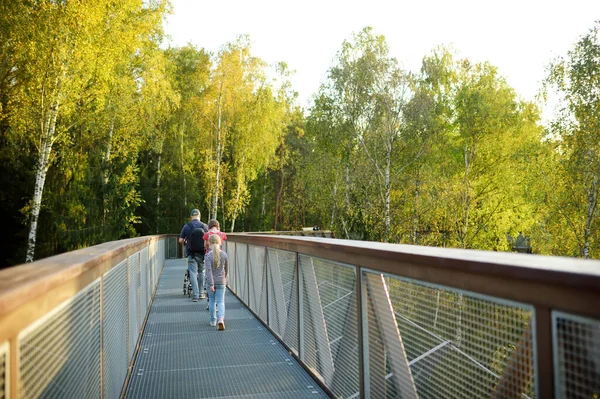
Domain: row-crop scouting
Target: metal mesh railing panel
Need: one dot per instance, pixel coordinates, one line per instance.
(337, 290)
(151, 275)
(155, 268)
(282, 286)
(308, 291)
(330, 323)
(133, 269)
(577, 356)
(4, 367)
(457, 344)
(172, 244)
(60, 355)
(232, 279)
(242, 271)
(144, 282)
(115, 330)
(161, 248)
(258, 284)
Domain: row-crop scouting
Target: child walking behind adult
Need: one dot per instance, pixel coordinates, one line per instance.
(217, 268)
(213, 228)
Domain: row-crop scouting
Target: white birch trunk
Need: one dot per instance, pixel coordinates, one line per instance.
(106, 169)
(236, 204)
(264, 196)
(183, 166)
(158, 175)
(347, 186)
(592, 204)
(335, 188)
(48, 132)
(108, 150)
(415, 213)
(468, 156)
(388, 190)
(218, 159)
(235, 208)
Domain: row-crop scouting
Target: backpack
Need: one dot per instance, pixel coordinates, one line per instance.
(196, 240)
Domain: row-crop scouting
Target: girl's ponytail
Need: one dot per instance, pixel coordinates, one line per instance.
(214, 240)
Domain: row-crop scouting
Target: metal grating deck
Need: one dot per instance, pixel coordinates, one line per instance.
(182, 356)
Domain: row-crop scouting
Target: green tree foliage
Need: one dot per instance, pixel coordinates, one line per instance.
(111, 136)
(75, 69)
(574, 177)
(435, 158)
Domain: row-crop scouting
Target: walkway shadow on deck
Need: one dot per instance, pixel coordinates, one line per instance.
(181, 356)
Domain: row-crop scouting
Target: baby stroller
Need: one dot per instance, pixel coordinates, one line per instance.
(187, 284)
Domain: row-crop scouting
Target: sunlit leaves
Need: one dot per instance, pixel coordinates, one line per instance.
(575, 179)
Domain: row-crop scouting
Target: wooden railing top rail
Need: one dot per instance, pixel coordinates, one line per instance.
(303, 233)
(30, 290)
(561, 283)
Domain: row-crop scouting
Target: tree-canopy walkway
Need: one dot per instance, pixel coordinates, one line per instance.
(306, 317)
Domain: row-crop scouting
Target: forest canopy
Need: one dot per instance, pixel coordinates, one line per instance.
(109, 135)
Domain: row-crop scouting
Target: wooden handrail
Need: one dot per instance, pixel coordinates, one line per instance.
(29, 291)
(559, 283)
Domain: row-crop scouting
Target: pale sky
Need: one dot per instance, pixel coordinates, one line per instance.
(518, 37)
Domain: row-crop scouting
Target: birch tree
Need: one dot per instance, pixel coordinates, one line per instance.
(50, 53)
(576, 130)
(60, 64)
(229, 90)
(367, 94)
(256, 137)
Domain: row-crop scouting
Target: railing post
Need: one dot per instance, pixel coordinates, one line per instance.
(102, 374)
(14, 377)
(128, 309)
(362, 329)
(267, 283)
(544, 365)
(300, 312)
(248, 271)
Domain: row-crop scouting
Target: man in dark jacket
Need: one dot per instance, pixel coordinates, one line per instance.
(192, 235)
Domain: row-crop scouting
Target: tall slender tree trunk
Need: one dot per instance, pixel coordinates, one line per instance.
(335, 188)
(218, 160)
(592, 205)
(347, 186)
(347, 209)
(222, 207)
(158, 176)
(108, 149)
(415, 222)
(236, 205)
(468, 157)
(48, 133)
(183, 165)
(387, 194)
(278, 201)
(263, 209)
(105, 214)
